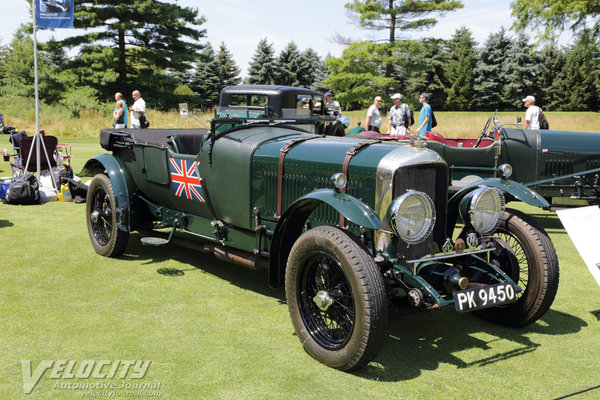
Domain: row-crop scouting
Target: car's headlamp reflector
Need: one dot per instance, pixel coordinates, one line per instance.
(339, 181)
(505, 170)
(484, 210)
(412, 216)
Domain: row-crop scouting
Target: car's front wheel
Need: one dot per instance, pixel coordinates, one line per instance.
(336, 298)
(106, 237)
(534, 269)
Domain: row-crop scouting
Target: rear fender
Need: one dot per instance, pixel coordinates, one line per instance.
(121, 182)
(508, 187)
(291, 224)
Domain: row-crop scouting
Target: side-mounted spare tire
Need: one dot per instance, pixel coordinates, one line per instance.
(106, 237)
(336, 298)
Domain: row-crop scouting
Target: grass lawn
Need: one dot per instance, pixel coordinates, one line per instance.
(217, 331)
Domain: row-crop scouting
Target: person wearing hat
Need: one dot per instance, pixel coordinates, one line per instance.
(373, 121)
(399, 117)
(424, 115)
(532, 115)
(331, 106)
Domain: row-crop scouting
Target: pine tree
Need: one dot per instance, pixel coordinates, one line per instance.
(320, 75)
(489, 74)
(577, 82)
(206, 81)
(520, 70)
(228, 71)
(286, 71)
(427, 73)
(133, 43)
(551, 62)
(262, 67)
(459, 70)
(308, 62)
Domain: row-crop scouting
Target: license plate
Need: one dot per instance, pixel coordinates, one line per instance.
(484, 297)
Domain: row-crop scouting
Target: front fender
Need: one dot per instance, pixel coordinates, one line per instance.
(515, 189)
(120, 180)
(292, 221)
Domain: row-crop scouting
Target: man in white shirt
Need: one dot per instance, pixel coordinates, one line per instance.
(373, 121)
(532, 115)
(399, 117)
(137, 109)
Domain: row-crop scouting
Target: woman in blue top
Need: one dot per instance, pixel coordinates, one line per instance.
(120, 113)
(424, 115)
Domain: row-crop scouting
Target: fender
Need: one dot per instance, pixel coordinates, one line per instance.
(291, 224)
(120, 180)
(515, 189)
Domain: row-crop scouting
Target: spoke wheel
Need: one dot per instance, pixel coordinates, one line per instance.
(326, 301)
(537, 271)
(107, 239)
(336, 298)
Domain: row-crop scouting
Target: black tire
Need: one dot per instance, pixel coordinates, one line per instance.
(107, 239)
(346, 330)
(537, 272)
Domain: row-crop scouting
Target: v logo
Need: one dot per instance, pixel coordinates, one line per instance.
(29, 380)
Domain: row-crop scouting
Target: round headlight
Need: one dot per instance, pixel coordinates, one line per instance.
(339, 181)
(412, 216)
(484, 209)
(505, 170)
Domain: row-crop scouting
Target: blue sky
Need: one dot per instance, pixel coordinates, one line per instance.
(309, 23)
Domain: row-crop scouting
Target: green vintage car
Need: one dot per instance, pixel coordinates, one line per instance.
(350, 227)
(563, 167)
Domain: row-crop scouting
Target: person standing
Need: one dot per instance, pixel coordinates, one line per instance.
(532, 115)
(373, 121)
(424, 115)
(331, 105)
(399, 117)
(137, 109)
(120, 112)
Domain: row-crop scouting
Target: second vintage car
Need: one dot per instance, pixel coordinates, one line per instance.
(348, 226)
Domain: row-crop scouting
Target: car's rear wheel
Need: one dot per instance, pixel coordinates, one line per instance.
(336, 298)
(106, 237)
(536, 273)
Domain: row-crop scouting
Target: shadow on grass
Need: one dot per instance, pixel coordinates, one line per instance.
(4, 223)
(256, 281)
(549, 221)
(422, 341)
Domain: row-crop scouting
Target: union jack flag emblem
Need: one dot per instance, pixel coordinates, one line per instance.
(185, 178)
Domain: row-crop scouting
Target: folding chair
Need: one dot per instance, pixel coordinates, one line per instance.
(50, 142)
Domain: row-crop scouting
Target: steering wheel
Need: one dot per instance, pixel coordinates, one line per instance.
(484, 132)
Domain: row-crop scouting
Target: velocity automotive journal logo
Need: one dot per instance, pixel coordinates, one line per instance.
(71, 370)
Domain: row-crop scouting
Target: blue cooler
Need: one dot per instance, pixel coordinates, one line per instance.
(3, 189)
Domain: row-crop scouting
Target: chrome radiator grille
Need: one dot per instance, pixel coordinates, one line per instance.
(431, 179)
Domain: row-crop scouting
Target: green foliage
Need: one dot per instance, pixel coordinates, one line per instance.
(206, 82)
(578, 81)
(462, 56)
(262, 67)
(519, 70)
(81, 98)
(551, 61)
(228, 71)
(124, 40)
(489, 73)
(287, 65)
(556, 16)
(354, 77)
(426, 73)
(320, 74)
(393, 15)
